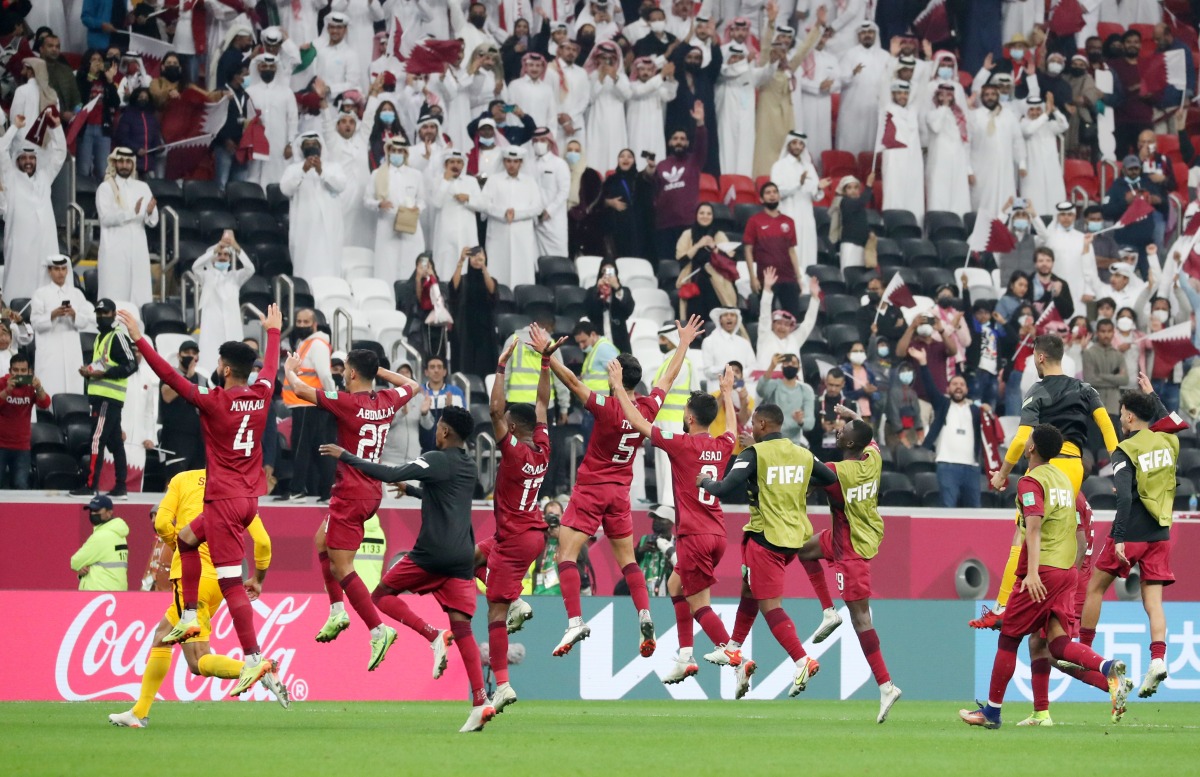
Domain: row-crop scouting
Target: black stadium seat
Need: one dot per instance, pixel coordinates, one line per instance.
(78, 438)
(246, 197)
(888, 252)
(944, 225)
(668, 275)
(507, 323)
(723, 217)
(163, 318)
(742, 213)
(952, 253)
(841, 309)
(569, 300)
(213, 223)
(505, 303)
(858, 277)
(830, 279)
(919, 252)
(46, 438)
(556, 271)
(896, 490)
(70, 408)
(279, 204)
(840, 337)
(57, 471)
(258, 227)
(203, 195)
(375, 348)
(257, 291)
(533, 300)
(901, 224)
(167, 193)
(270, 259)
(911, 277)
(932, 278)
(189, 252)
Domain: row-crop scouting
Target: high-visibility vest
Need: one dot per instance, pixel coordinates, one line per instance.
(111, 572)
(109, 388)
(524, 371)
(306, 374)
(368, 562)
(677, 396)
(595, 379)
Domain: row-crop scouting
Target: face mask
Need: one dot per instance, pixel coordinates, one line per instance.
(397, 160)
(222, 266)
(1151, 148)
(143, 102)
(883, 351)
(858, 357)
(573, 157)
(657, 27)
(693, 67)
(945, 303)
(1020, 224)
(1094, 226)
(1017, 54)
(790, 373)
(873, 297)
(1125, 324)
(1095, 57)
(96, 518)
(906, 378)
(104, 323)
(478, 21)
(541, 148)
(924, 330)
(1004, 98)
(946, 73)
(1161, 316)
(487, 142)
(172, 73)
(664, 348)
(387, 117)
(1025, 320)
(267, 76)
(311, 151)
(1133, 180)
(1078, 71)
(1054, 68)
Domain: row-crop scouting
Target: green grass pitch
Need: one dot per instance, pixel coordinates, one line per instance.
(791, 737)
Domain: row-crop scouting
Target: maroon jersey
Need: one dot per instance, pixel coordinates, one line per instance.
(232, 420)
(518, 481)
(696, 510)
(614, 442)
(1083, 514)
(363, 421)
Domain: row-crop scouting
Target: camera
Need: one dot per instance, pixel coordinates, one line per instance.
(649, 155)
(21, 380)
(1020, 203)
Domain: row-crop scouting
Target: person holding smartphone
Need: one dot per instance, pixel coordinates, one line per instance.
(59, 312)
(19, 391)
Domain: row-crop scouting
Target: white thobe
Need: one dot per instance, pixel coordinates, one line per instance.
(722, 347)
(1020, 16)
(26, 102)
(997, 152)
(736, 94)
(219, 312)
(512, 247)
(455, 226)
(30, 232)
(948, 165)
(538, 99)
(340, 66)
(769, 343)
(814, 109)
(298, 18)
(220, 18)
(60, 354)
(315, 216)
(904, 168)
(454, 89)
(276, 105)
(554, 179)
(1043, 186)
(361, 29)
(396, 252)
(845, 23)
(1071, 263)
(680, 27)
(574, 91)
(124, 255)
(645, 115)
(606, 121)
(351, 155)
(796, 201)
(858, 111)
(1127, 12)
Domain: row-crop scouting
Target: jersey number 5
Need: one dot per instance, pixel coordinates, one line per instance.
(626, 448)
(708, 471)
(244, 439)
(370, 445)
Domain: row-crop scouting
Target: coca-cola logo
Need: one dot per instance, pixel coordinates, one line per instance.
(103, 654)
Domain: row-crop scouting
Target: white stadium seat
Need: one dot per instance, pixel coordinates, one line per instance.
(373, 294)
(167, 345)
(331, 293)
(653, 304)
(387, 326)
(636, 273)
(587, 267)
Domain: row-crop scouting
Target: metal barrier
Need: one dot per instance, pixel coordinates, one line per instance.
(484, 440)
(190, 278)
(335, 340)
(574, 450)
(289, 311)
(1176, 207)
(258, 316)
(167, 215)
(414, 357)
(74, 222)
(459, 379)
(1087, 201)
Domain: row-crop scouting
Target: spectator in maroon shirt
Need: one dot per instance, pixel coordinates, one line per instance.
(677, 184)
(20, 390)
(1136, 110)
(770, 241)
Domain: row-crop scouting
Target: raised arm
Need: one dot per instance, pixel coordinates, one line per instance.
(542, 343)
(427, 467)
(687, 335)
(632, 415)
(726, 383)
(168, 374)
(399, 381)
(498, 404)
(542, 402)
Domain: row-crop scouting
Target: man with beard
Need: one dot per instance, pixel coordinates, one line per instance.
(127, 208)
(697, 82)
(862, 71)
(996, 149)
(677, 182)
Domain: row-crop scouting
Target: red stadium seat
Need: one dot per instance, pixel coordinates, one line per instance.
(838, 163)
(743, 189)
(1104, 29)
(1078, 168)
(865, 160)
(709, 190)
(1147, 33)
(1107, 172)
(1181, 180)
(828, 195)
(759, 181)
(1089, 184)
(966, 79)
(835, 104)
(1169, 145)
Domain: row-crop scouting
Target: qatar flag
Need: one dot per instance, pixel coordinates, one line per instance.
(1173, 423)
(151, 50)
(1172, 345)
(1066, 18)
(991, 234)
(433, 56)
(890, 141)
(1138, 209)
(933, 24)
(897, 293)
(1049, 316)
(79, 121)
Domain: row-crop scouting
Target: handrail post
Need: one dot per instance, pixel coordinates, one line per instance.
(575, 444)
(168, 214)
(336, 340)
(460, 380)
(258, 316)
(278, 282)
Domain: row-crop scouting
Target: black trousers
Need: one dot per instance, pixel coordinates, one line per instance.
(187, 448)
(106, 436)
(311, 428)
(788, 295)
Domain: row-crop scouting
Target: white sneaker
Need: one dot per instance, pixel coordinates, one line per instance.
(576, 632)
(743, 673)
(440, 647)
(478, 718)
(518, 612)
(889, 694)
(1155, 675)
(1067, 666)
(646, 625)
(683, 667)
(504, 696)
(128, 720)
(724, 655)
(807, 669)
(830, 620)
(272, 683)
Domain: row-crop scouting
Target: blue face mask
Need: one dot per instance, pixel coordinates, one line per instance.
(486, 142)
(397, 160)
(1005, 98)
(1133, 180)
(387, 117)
(1020, 224)
(946, 73)
(1094, 226)
(222, 266)
(572, 157)
(1017, 54)
(883, 351)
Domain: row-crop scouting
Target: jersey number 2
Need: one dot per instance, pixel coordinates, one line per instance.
(370, 444)
(708, 471)
(244, 439)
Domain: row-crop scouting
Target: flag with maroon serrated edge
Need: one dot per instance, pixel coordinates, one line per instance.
(890, 141)
(36, 134)
(991, 234)
(1171, 346)
(1024, 351)
(1172, 423)
(992, 438)
(897, 293)
(1049, 316)
(151, 50)
(933, 24)
(1138, 209)
(1066, 18)
(79, 121)
(433, 56)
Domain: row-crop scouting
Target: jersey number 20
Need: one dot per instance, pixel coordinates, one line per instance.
(370, 445)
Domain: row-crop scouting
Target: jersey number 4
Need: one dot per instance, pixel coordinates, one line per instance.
(372, 439)
(708, 471)
(244, 439)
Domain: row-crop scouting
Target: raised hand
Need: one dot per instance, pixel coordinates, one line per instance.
(130, 323)
(770, 276)
(615, 373)
(292, 363)
(726, 382)
(273, 319)
(1144, 384)
(689, 333)
(508, 352)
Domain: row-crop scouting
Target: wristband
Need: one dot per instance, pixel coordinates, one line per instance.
(545, 362)
(500, 368)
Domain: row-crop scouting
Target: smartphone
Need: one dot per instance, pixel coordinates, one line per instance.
(737, 384)
(609, 272)
(509, 108)
(22, 380)
(649, 155)
(475, 250)
(66, 303)
(1020, 203)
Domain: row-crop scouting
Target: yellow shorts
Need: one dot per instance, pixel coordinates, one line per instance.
(210, 599)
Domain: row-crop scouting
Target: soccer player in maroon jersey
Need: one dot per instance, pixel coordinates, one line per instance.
(700, 527)
(232, 418)
(601, 494)
(502, 560)
(363, 417)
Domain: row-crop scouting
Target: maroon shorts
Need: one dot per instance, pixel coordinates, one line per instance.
(508, 561)
(1024, 616)
(451, 593)
(1153, 558)
(698, 556)
(223, 526)
(763, 569)
(852, 571)
(1083, 577)
(598, 505)
(344, 522)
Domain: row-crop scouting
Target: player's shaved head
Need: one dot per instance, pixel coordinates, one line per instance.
(703, 408)
(522, 415)
(239, 358)
(769, 414)
(1137, 403)
(631, 371)
(363, 362)
(458, 422)
(1050, 346)
(1047, 441)
(856, 435)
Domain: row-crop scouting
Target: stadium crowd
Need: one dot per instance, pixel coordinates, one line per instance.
(869, 208)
